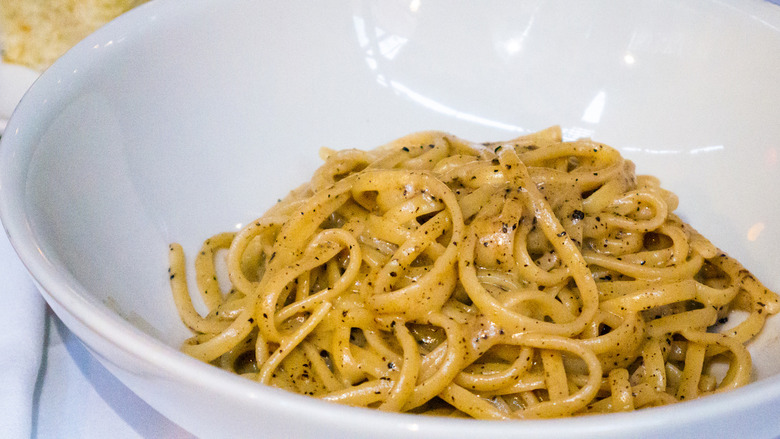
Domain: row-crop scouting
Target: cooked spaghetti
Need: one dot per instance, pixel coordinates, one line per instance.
(532, 278)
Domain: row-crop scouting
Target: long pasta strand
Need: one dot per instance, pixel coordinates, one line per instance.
(530, 278)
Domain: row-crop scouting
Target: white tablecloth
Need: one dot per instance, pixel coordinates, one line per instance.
(76, 397)
(51, 386)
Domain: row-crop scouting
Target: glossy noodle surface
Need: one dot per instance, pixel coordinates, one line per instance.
(531, 278)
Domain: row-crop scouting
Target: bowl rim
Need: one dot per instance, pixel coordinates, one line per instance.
(16, 149)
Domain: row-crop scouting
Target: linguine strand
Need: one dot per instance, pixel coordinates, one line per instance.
(532, 278)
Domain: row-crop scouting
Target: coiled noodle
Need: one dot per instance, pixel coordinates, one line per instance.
(523, 279)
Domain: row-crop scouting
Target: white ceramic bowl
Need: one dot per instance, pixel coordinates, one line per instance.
(181, 119)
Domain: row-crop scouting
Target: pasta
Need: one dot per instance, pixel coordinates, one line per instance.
(532, 278)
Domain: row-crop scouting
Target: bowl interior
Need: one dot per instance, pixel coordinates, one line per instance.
(172, 124)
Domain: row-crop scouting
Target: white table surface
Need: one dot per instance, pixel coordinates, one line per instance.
(76, 397)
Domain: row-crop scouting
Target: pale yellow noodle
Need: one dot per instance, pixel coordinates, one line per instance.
(531, 278)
